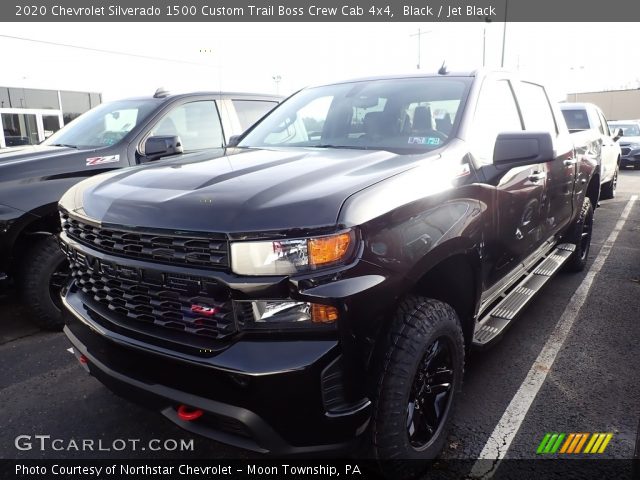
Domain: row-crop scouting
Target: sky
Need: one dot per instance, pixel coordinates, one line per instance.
(566, 57)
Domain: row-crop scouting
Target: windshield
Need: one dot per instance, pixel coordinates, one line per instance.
(628, 129)
(104, 125)
(408, 115)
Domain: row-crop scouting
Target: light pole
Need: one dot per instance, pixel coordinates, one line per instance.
(419, 34)
(276, 79)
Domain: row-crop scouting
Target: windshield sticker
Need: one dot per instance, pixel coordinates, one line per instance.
(93, 161)
(424, 140)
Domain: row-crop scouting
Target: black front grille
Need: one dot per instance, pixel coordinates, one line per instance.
(189, 249)
(156, 300)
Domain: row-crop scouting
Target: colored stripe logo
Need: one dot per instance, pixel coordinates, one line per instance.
(574, 443)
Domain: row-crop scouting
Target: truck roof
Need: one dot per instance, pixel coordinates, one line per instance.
(221, 95)
(576, 105)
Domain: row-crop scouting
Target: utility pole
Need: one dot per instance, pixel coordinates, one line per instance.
(419, 35)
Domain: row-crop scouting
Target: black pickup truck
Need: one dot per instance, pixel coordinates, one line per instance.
(319, 289)
(111, 136)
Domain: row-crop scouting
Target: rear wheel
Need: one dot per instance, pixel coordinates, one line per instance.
(580, 236)
(418, 383)
(45, 272)
(608, 190)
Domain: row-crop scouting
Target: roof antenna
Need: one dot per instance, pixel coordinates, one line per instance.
(443, 68)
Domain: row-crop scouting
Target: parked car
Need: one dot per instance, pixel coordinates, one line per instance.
(584, 116)
(629, 143)
(319, 288)
(109, 137)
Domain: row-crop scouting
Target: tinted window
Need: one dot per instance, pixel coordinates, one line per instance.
(42, 99)
(51, 124)
(19, 129)
(4, 98)
(535, 108)
(196, 123)
(250, 111)
(496, 112)
(16, 98)
(95, 99)
(74, 104)
(576, 119)
(388, 114)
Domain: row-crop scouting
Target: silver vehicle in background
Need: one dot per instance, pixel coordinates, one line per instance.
(629, 143)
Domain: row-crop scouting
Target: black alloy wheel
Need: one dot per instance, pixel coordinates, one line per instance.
(430, 395)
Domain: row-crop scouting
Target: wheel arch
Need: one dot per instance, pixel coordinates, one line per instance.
(456, 280)
(41, 222)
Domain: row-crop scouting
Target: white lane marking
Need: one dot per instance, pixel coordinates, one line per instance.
(500, 440)
(70, 350)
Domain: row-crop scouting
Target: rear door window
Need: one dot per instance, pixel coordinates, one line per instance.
(196, 123)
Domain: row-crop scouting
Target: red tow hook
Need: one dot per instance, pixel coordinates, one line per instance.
(83, 360)
(189, 414)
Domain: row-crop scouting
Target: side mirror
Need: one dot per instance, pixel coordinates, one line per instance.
(233, 141)
(515, 149)
(162, 146)
(617, 134)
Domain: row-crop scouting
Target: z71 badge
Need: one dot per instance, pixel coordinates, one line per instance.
(92, 161)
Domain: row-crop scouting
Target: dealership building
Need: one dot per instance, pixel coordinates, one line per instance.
(615, 104)
(29, 115)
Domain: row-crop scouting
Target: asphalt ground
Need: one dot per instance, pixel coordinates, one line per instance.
(593, 384)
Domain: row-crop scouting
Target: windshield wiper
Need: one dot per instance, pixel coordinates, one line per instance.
(350, 147)
(63, 145)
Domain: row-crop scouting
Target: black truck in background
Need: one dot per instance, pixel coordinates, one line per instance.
(114, 135)
(318, 290)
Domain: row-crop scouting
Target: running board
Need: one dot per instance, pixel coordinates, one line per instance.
(494, 323)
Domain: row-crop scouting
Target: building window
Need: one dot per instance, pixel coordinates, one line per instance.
(74, 104)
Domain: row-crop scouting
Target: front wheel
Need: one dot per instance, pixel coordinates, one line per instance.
(45, 272)
(580, 236)
(418, 383)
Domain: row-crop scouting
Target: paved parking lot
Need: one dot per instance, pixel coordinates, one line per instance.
(591, 385)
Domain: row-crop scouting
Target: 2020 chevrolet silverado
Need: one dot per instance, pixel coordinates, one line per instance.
(319, 288)
(585, 116)
(111, 136)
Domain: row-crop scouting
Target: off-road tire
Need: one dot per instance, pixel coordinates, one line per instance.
(417, 324)
(584, 224)
(41, 261)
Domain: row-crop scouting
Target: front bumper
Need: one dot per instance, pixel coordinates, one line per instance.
(284, 393)
(244, 405)
(630, 157)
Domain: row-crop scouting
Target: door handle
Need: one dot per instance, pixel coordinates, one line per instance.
(537, 176)
(568, 163)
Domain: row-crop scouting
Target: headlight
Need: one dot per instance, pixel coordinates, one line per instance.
(286, 257)
(284, 314)
(634, 146)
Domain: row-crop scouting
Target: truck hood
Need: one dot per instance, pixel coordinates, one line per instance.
(32, 152)
(251, 191)
(628, 140)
